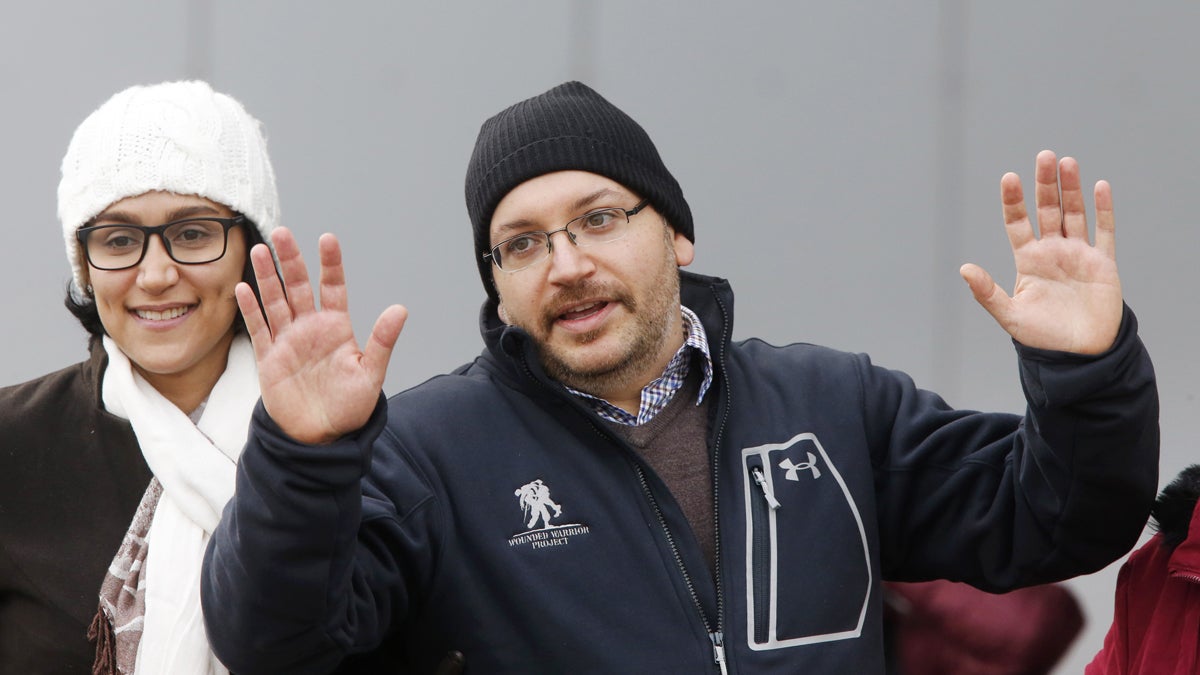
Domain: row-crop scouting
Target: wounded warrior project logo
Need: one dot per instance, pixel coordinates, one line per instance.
(537, 506)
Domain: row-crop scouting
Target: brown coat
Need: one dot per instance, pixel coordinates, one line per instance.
(71, 477)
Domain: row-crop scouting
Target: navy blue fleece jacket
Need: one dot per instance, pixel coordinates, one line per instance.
(488, 512)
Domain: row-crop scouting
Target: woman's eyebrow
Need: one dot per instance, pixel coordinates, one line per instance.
(192, 210)
(176, 214)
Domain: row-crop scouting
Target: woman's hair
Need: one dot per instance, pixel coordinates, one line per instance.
(1172, 511)
(83, 307)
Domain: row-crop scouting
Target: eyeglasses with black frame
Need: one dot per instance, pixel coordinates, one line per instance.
(190, 241)
(594, 227)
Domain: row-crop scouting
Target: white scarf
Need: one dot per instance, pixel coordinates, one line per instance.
(196, 465)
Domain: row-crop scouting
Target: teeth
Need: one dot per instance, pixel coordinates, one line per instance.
(581, 308)
(151, 315)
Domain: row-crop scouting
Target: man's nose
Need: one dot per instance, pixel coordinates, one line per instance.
(567, 261)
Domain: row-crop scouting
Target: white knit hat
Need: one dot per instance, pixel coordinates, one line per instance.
(179, 137)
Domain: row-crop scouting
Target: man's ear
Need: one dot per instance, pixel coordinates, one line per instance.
(685, 251)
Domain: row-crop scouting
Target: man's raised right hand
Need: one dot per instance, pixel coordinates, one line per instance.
(316, 383)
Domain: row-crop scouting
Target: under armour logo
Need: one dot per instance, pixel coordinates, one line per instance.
(810, 465)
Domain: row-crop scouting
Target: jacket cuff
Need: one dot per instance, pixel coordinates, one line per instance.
(1052, 377)
(341, 462)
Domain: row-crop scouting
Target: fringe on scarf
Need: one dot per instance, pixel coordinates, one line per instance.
(101, 632)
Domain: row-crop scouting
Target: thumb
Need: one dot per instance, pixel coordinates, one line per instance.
(987, 292)
(378, 350)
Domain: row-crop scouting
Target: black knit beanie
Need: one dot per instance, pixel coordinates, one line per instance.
(570, 127)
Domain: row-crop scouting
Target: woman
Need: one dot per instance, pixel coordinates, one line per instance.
(114, 471)
(1156, 619)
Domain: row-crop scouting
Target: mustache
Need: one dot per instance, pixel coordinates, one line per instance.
(583, 291)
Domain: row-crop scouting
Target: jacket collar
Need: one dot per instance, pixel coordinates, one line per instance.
(1185, 560)
(93, 371)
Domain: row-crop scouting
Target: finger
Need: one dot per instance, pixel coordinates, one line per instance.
(256, 324)
(1049, 210)
(274, 302)
(1106, 224)
(378, 350)
(293, 271)
(333, 275)
(1074, 212)
(987, 293)
(1016, 219)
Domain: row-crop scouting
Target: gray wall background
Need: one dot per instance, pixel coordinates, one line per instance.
(841, 159)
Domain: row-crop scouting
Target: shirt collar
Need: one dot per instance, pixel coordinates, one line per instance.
(657, 394)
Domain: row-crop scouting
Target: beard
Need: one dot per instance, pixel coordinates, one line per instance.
(640, 340)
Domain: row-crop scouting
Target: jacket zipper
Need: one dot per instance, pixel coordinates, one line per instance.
(718, 640)
(766, 489)
(716, 636)
(722, 369)
(760, 551)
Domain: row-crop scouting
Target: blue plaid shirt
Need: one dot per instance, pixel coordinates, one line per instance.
(658, 393)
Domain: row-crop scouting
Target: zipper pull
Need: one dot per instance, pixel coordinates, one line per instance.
(718, 640)
(766, 489)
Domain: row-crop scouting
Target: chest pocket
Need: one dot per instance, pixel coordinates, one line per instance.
(808, 572)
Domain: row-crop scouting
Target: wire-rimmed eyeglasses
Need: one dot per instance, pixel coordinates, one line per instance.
(594, 227)
(190, 241)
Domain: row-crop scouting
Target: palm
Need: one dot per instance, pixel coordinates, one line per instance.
(1067, 295)
(316, 382)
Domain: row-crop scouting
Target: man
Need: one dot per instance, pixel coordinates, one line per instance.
(615, 486)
